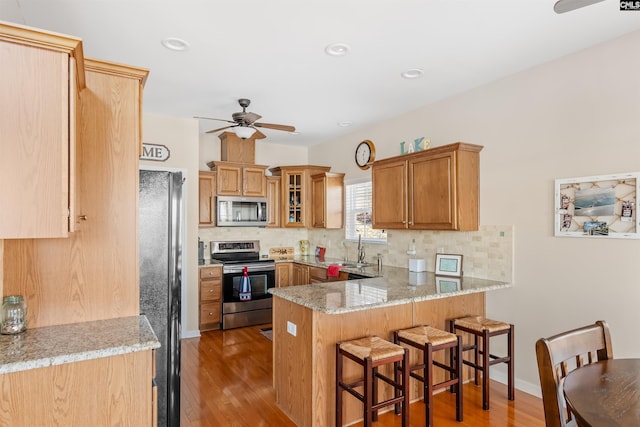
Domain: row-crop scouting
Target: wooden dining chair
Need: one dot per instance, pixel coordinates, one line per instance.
(562, 353)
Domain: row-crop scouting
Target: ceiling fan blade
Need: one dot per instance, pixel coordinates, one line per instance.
(276, 127)
(249, 118)
(219, 129)
(258, 134)
(211, 118)
(563, 6)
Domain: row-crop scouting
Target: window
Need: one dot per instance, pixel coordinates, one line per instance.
(358, 213)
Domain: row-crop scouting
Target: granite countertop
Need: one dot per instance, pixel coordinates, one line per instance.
(56, 345)
(392, 286)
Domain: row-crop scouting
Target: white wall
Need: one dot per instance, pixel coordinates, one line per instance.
(181, 137)
(577, 116)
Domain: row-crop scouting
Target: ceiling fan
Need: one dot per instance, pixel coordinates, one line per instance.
(563, 6)
(245, 125)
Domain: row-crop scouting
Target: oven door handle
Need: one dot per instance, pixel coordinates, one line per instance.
(239, 268)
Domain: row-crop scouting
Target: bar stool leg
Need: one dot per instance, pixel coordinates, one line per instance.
(458, 365)
(510, 343)
(486, 363)
(428, 379)
(405, 388)
(368, 392)
(338, 386)
(476, 358)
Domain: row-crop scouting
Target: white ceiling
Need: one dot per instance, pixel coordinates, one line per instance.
(272, 51)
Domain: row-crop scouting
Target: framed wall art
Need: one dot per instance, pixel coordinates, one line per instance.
(597, 206)
(448, 265)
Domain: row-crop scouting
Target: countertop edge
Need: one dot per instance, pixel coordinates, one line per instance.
(147, 341)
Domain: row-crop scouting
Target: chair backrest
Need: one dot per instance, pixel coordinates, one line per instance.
(562, 353)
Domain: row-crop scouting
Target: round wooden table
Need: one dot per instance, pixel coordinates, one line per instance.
(605, 393)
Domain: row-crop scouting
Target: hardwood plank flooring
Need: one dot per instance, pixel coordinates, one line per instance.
(227, 381)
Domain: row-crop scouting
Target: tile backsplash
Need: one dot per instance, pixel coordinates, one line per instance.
(487, 253)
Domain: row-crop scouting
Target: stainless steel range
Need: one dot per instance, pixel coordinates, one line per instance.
(235, 255)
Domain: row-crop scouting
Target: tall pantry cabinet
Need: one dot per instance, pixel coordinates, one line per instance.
(90, 273)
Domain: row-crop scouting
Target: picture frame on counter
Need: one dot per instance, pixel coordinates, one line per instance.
(603, 206)
(448, 265)
(447, 284)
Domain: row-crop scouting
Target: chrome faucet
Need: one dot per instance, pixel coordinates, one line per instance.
(361, 254)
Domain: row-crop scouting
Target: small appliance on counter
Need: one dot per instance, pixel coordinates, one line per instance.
(417, 265)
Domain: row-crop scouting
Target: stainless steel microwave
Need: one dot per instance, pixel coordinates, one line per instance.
(235, 211)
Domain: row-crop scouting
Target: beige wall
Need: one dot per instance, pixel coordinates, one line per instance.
(181, 137)
(573, 117)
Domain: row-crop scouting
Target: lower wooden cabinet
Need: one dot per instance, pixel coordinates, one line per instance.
(299, 274)
(305, 274)
(283, 274)
(210, 300)
(108, 391)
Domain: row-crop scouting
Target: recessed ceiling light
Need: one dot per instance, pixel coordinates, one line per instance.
(412, 73)
(337, 49)
(174, 43)
(345, 124)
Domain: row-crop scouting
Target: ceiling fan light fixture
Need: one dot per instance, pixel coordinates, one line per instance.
(563, 6)
(345, 123)
(243, 132)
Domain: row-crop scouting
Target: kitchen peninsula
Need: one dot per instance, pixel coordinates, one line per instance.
(308, 320)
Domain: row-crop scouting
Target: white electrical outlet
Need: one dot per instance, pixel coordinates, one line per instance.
(291, 328)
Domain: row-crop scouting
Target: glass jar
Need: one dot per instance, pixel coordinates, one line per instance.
(14, 315)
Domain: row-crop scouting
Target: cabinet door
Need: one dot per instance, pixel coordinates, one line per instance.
(273, 202)
(432, 185)
(206, 201)
(254, 182)
(389, 195)
(293, 199)
(300, 274)
(283, 274)
(35, 125)
(229, 180)
(319, 209)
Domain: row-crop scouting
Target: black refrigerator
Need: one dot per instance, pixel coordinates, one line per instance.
(160, 205)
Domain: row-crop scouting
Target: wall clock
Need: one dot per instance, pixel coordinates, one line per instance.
(365, 154)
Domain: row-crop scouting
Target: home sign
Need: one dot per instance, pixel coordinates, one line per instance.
(155, 152)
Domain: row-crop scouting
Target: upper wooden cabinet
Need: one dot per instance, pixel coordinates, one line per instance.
(273, 201)
(42, 75)
(328, 200)
(206, 199)
(237, 179)
(296, 193)
(434, 189)
(237, 150)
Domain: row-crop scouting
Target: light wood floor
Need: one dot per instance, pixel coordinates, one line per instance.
(227, 381)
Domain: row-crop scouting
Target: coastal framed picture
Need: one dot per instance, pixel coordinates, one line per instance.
(446, 284)
(597, 206)
(448, 265)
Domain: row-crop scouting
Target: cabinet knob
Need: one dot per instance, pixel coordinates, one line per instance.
(211, 273)
(82, 217)
(210, 313)
(210, 291)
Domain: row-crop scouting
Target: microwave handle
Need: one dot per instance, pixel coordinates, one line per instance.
(259, 211)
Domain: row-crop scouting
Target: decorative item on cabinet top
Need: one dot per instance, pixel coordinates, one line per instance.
(281, 252)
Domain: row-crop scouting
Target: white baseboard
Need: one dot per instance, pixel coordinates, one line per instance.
(527, 387)
(191, 334)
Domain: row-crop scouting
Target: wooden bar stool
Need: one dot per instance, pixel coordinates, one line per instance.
(483, 328)
(429, 339)
(371, 353)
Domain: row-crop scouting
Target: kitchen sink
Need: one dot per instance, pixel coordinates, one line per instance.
(353, 264)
